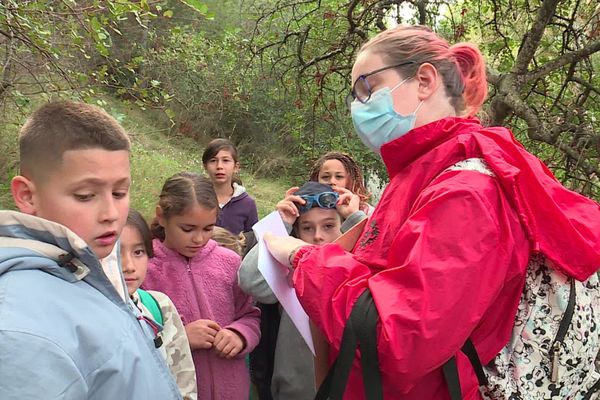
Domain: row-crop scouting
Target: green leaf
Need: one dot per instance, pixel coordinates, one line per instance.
(197, 5)
(168, 14)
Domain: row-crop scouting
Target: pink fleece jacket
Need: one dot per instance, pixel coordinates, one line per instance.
(205, 287)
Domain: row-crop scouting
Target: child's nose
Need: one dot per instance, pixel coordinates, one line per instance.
(126, 264)
(198, 238)
(318, 238)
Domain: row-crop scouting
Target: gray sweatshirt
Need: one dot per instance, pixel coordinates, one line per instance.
(293, 372)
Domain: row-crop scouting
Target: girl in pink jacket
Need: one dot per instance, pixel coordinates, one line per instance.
(201, 278)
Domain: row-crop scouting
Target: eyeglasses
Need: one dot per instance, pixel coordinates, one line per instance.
(323, 200)
(361, 90)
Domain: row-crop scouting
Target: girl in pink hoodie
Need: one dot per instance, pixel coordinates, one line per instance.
(200, 277)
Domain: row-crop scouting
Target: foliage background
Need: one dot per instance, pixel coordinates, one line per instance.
(272, 76)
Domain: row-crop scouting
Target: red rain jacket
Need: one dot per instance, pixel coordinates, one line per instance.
(445, 254)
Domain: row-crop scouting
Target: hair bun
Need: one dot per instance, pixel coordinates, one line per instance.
(471, 66)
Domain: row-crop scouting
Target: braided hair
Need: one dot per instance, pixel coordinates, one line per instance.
(356, 183)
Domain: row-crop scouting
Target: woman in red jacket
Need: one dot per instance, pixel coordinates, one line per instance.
(473, 238)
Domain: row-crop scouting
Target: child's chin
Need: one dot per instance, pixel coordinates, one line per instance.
(103, 252)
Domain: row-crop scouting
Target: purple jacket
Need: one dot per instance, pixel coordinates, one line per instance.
(205, 287)
(239, 213)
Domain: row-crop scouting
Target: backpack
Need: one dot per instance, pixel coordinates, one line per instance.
(152, 305)
(555, 341)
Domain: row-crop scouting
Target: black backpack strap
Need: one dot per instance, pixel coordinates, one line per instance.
(361, 325)
(451, 375)
(366, 331)
(335, 381)
(450, 370)
(565, 322)
(469, 350)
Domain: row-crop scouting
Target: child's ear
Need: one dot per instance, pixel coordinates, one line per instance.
(23, 191)
(237, 167)
(160, 216)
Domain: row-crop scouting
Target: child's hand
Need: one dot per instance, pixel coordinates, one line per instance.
(201, 333)
(287, 207)
(348, 203)
(228, 343)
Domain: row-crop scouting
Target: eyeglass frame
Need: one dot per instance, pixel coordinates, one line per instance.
(350, 97)
(311, 199)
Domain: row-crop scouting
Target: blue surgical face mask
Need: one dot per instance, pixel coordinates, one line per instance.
(377, 123)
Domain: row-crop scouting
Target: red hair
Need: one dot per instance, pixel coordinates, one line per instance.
(461, 66)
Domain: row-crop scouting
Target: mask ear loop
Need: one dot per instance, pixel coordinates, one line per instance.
(400, 84)
(419, 106)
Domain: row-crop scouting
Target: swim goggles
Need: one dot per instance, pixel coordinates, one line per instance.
(322, 200)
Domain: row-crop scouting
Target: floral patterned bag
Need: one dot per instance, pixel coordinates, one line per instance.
(554, 343)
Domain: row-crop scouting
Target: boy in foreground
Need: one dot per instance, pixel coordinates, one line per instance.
(67, 328)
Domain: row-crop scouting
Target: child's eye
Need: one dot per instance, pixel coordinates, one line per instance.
(306, 228)
(119, 195)
(139, 253)
(83, 197)
(209, 228)
(187, 230)
(328, 227)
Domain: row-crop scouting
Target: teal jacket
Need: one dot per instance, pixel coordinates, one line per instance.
(65, 333)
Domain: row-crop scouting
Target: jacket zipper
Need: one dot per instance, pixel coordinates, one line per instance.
(208, 360)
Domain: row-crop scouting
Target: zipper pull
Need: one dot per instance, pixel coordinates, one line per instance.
(555, 357)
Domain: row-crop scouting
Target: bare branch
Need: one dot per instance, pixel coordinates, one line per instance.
(565, 59)
(532, 39)
(585, 84)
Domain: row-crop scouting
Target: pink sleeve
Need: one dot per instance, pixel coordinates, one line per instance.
(247, 319)
(446, 266)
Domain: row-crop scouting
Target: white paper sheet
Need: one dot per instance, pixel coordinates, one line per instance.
(276, 276)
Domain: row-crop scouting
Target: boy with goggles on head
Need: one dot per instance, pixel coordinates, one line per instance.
(323, 200)
(317, 214)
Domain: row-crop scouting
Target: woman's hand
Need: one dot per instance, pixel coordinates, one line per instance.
(348, 203)
(286, 207)
(228, 343)
(201, 333)
(282, 247)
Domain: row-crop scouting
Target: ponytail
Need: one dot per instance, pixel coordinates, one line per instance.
(471, 66)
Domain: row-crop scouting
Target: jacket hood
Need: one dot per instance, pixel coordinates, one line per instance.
(239, 192)
(29, 242)
(561, 224)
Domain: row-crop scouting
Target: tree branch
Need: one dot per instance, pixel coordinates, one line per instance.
(585, 84)
(565, 59)
(532, 39)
